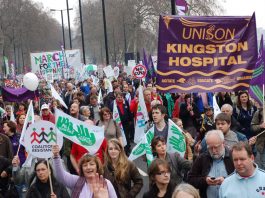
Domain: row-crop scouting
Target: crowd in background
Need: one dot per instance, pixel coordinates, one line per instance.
(216, 145)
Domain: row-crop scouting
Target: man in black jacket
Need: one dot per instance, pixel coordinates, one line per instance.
(210, 168)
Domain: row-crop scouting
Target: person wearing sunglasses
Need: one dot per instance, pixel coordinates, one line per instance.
(159, 179)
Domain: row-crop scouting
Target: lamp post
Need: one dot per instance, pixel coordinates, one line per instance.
(173, 7)
(68, 15)
(105, 32)
(82, 32)
(54, 10)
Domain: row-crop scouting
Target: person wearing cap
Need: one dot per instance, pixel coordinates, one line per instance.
(207, 123)
(46, 114)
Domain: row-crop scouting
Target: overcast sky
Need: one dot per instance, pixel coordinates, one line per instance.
(231, 7)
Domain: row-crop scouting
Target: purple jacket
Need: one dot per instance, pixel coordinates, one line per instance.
(70, 180)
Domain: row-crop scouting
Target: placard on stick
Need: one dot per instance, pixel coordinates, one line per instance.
(139, 71)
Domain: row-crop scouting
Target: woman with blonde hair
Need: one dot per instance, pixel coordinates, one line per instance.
(121, 172)
(185, 191)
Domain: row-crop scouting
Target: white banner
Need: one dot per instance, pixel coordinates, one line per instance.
(44, 63)
(40, 137)
(117, 119)
(81, 133)
(109, 72)
(175, 139)
(141, 117)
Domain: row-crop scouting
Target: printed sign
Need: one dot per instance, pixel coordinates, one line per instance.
(139, 71)
(206, 54)
(51, 65)
(39, 138)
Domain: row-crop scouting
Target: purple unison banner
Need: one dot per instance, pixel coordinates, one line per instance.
(206, 54)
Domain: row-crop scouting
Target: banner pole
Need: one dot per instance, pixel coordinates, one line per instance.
(18, 148)
(263, 103)
(50, 179)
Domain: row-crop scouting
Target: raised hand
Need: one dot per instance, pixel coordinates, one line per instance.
(15, 161)
(56, 150)
(99, 187)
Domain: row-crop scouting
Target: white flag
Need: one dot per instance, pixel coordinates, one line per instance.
(175, 139)
(81, 133)
(142, 147)
(57, 96)
(117, 119)
(28, 120)
(12, 116)
(100, 101)
(216, 108)
(142, 103)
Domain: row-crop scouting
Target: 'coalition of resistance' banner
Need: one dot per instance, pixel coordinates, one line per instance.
(205, 54)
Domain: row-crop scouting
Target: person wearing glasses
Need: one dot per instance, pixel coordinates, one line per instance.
(159, 179)
(111, 129)
(178, 165)
(211, 168)
(122, 173)
(90, 183)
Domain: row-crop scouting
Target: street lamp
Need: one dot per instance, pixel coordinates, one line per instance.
(105, 32)
(173, 7)
(54, 10)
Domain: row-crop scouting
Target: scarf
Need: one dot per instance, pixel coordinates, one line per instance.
(120, 106)
(78, 187)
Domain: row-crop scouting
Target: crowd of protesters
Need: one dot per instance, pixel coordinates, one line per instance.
(225, 155)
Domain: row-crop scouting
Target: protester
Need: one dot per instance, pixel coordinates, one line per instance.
(223, 123)
(211, 168)
(207, 122)
(188, 139)
(84, 186)
(21, 109)
(9, 128)
(228, 109)
(258, 126)
(55, 105)
(223, 98)
(6, 149)
(121, 172)
(126, 119)
(159, 180)
(111, 129)
(94, 108)
(185, 191)
(189, 114)
(178, 165)
(4, 175)
(20, 122)
(68, 97)
(244, 112)
(248, 179)
(160, 125)
(46, 114)
(85, 112)
(41, 187)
